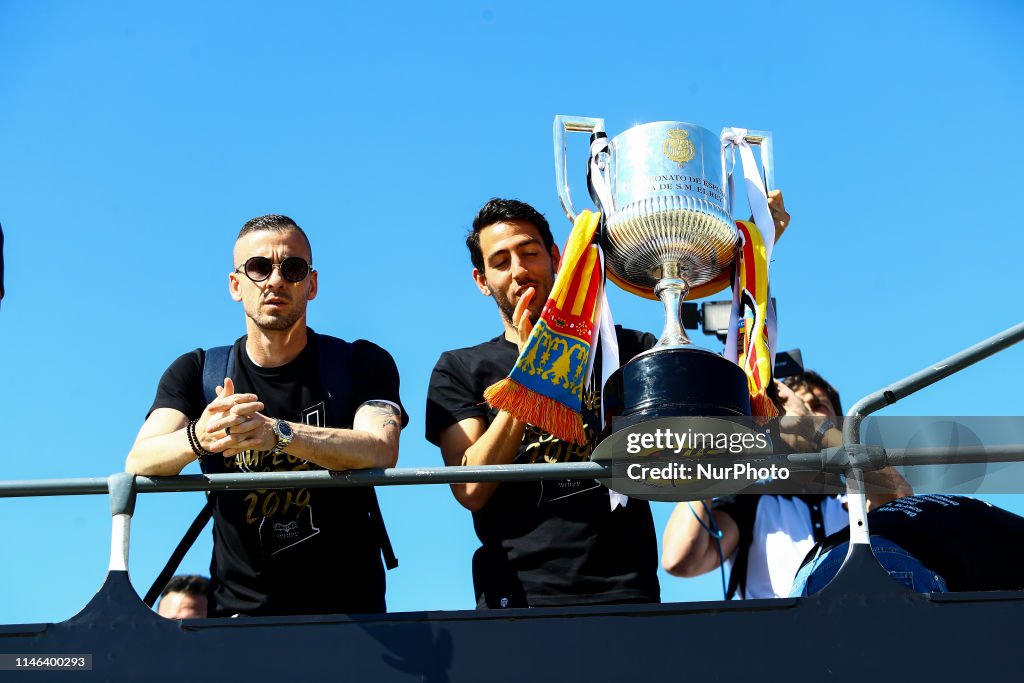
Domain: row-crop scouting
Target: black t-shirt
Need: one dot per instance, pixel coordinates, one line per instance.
(971, 544)
(291, 551)
(547, 542)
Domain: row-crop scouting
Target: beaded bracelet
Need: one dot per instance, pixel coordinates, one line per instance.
(193, 441)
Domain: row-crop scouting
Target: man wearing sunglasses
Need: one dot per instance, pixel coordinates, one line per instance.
(289, 400)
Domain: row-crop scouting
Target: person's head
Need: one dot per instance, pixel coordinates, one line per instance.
(512, 249)
(273, 272)
(184, 597)
(820, 396)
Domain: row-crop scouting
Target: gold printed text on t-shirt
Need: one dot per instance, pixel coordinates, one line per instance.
(543, 447)
(269, 504)
(266, 504)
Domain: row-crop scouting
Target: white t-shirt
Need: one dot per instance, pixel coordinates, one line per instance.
(782, 535)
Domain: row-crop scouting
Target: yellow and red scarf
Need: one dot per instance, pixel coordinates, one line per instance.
(545, 388)
(751, 283)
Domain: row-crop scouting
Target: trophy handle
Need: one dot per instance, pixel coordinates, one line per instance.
(563, 125)
(763, 139)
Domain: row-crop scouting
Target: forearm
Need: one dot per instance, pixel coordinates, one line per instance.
(164, 445)
(343, 449)
(687, 548)
(498, 445)
(884, 485)
(162, 455)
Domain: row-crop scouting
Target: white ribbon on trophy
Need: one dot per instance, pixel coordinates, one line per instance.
(601, 186)
(734, 139)
(600, 183)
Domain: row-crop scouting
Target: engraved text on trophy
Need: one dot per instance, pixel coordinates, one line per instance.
(676, 182)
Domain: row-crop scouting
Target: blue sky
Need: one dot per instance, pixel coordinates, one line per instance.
(135, 140)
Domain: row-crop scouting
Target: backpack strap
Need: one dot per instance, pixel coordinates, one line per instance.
(744, 515)
(198, 524)
(386, 549)
(738, 575)
(218, 363)
(335, 362)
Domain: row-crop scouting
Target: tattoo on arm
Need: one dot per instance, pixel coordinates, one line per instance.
(386, 410)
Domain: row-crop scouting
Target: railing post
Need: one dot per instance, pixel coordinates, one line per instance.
(122, 507)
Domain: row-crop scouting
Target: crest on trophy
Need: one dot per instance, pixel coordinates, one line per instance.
(677, 147)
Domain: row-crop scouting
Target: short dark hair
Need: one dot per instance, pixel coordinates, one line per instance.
(808, 379)
(273, 222)
(189, 584)
(503, 211)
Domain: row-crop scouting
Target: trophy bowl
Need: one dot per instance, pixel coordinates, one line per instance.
(668, 216)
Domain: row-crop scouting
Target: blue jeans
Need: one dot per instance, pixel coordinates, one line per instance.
(900, 565)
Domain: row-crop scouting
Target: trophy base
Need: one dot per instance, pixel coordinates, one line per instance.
(674, 382)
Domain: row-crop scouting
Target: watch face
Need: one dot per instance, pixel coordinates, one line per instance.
(284, 429)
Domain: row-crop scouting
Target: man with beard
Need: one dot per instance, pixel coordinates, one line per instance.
(552, 543)
(764, 537)
(542, 543)
(292, 400)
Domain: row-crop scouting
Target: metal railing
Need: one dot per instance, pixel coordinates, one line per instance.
(857, 503)
(853, 459)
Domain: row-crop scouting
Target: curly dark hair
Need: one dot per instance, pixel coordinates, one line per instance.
(502, 211)
(808, 379)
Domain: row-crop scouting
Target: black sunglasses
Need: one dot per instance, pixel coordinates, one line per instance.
(259, 268)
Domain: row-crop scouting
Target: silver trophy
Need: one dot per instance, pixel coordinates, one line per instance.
(667, 230)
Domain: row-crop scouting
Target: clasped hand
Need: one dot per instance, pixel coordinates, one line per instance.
(232, 423)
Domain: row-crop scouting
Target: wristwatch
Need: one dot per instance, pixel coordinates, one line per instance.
(284, 433)
(819, 435)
